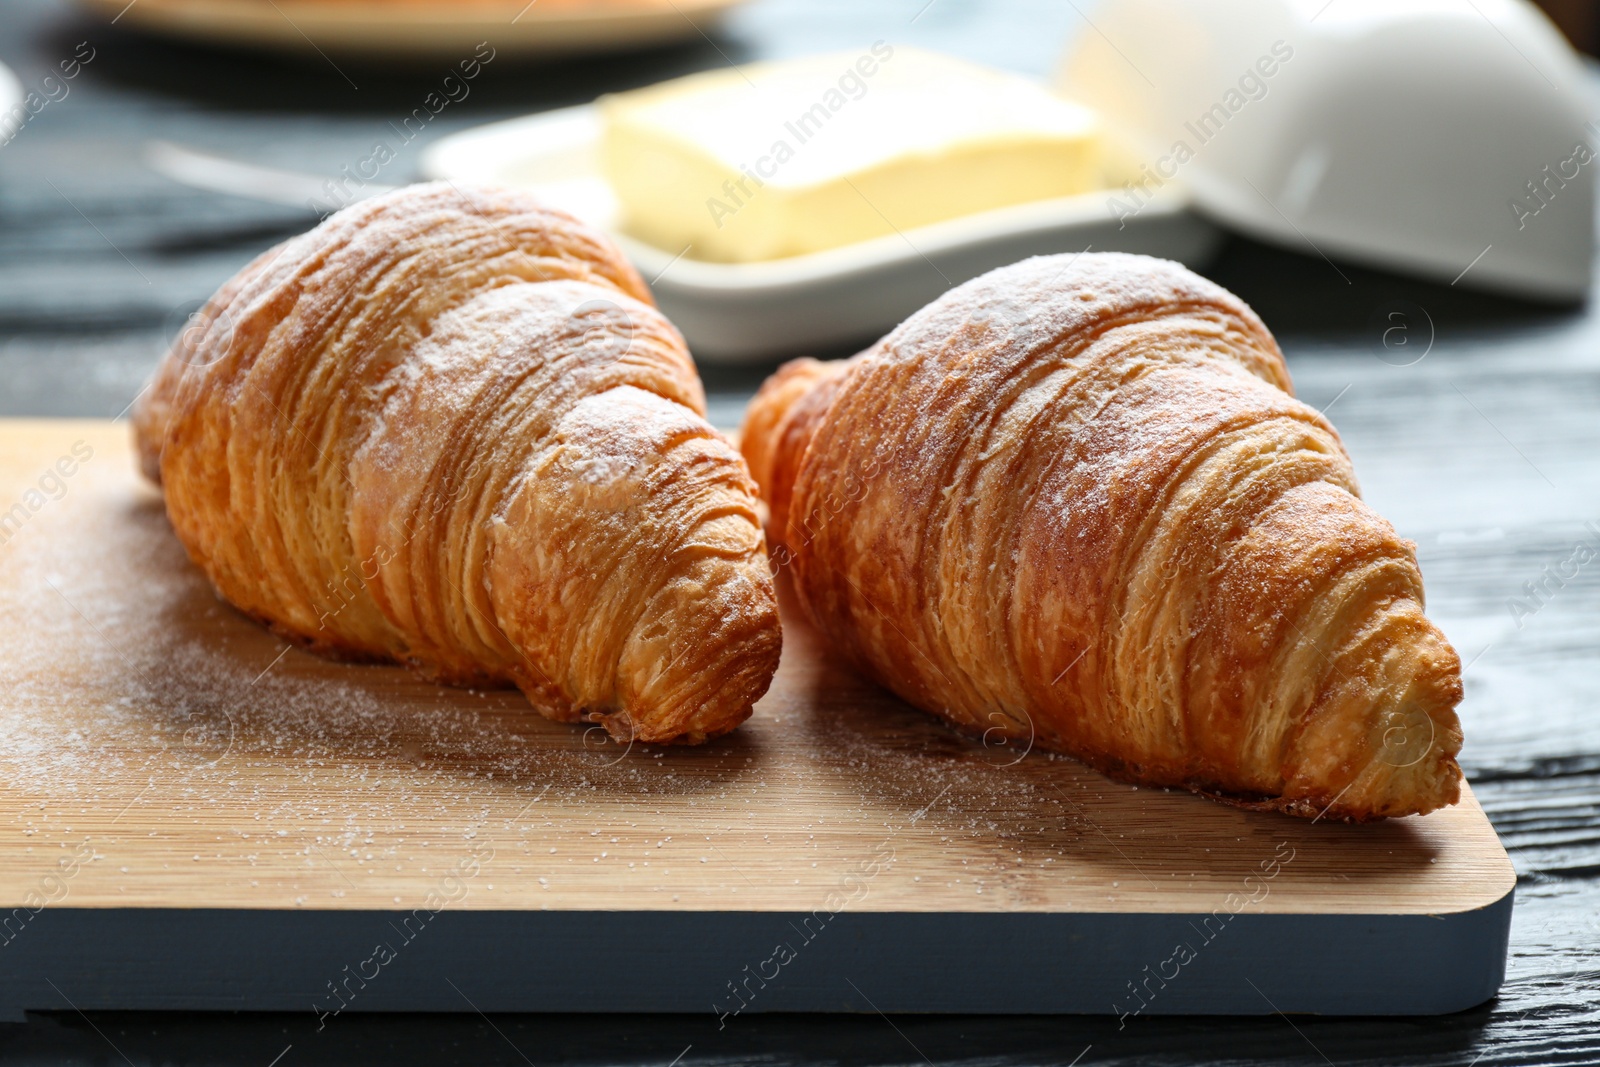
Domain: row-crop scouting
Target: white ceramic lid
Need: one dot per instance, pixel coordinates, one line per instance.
(12, 118)
(1447, 138)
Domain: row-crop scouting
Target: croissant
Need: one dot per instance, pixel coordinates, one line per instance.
(1074, 501)
(448, 428)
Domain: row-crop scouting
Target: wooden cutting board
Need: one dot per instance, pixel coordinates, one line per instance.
(195, 815)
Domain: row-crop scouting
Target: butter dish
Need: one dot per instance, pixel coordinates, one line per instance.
(1447, 140)
(779, 159)
(821, 302)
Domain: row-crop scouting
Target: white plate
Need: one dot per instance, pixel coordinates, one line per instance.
(825, 301)
(442, 28)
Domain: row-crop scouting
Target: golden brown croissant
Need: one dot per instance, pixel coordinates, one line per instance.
(448, 428)
(1074, 500)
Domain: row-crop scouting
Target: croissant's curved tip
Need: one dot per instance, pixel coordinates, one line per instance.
(1384, 792)
(724, 725)
(710, 690)
(1370, 797)
(1410, 770)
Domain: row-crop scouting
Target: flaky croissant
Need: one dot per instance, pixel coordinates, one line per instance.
(448, 428)
(1074, 501)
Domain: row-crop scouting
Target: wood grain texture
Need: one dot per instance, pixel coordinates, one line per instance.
(211, 765)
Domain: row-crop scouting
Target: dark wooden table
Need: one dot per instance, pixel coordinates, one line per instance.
(1486, 452)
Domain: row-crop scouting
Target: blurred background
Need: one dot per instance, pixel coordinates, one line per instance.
(104, 255)
(103, 258)
(1577, 20)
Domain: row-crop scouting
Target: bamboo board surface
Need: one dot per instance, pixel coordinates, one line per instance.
(208, 764)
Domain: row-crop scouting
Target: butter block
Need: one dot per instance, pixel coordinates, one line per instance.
(784, 158)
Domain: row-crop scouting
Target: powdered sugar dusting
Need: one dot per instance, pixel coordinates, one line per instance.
(205, 764)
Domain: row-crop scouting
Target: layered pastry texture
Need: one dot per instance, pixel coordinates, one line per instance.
(1075, 501)
(448, 428)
